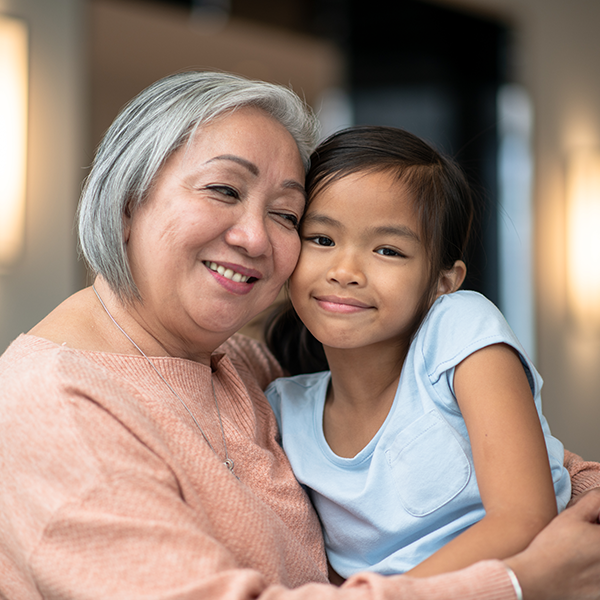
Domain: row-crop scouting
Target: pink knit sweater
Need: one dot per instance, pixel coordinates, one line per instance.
(109, 490)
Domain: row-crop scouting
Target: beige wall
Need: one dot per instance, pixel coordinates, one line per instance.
(134, 45)
(557, 57)
(47, 271)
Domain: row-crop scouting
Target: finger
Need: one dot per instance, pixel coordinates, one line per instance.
(588, 508)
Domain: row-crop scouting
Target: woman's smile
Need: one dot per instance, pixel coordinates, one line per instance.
(235, 278)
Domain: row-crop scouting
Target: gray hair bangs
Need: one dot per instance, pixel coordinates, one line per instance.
(148, 130)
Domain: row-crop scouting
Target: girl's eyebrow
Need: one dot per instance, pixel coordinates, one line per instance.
(322, 220)
(395, 230)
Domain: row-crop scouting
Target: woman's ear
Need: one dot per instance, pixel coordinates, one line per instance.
(126, 223)
(451, 280)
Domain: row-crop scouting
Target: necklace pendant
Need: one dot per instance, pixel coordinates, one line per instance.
(229, 464)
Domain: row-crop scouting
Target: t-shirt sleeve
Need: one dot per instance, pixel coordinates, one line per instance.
(460, 324)
(274, 398)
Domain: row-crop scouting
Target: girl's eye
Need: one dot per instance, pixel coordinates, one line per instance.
(321, 240)
(224, 190)
(389, 252)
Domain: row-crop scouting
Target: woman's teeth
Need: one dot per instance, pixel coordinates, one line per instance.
(227, 273)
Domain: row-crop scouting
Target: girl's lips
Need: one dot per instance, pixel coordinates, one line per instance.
(341, 305)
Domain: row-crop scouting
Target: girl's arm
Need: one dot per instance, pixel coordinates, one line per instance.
(510, 457)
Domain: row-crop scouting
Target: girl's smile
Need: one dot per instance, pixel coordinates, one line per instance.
(342, 305)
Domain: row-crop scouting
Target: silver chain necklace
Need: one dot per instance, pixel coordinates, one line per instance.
(228, 462)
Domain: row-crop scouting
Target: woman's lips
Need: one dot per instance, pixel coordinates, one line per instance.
(233, 278)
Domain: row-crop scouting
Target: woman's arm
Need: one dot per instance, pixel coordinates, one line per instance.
(563, 561)
(585, 475)
(504, 427)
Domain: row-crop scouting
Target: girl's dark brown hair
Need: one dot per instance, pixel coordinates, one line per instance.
(442, 199)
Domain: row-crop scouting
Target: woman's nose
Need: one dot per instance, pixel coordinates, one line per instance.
(249, 233)
(347, 271)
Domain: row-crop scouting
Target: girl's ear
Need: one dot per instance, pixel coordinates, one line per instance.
(451, 280)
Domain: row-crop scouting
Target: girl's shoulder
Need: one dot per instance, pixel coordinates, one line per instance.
(457, 325)
(298, 395)
(463, 302)
(300, 385)
(463, 314)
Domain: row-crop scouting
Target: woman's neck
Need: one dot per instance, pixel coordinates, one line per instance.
(88, 321)
(142, 331)
(362, 391)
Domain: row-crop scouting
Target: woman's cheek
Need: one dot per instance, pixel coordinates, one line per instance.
(290, 254)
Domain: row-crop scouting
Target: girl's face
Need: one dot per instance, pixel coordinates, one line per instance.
(363, 270)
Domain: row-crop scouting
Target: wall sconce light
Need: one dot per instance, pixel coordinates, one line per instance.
(583, 238)
(13, 136)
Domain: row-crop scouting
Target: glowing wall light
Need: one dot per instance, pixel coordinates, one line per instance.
(13, 136)
(583, 237)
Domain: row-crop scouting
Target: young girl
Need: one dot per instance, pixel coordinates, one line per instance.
(411, 445)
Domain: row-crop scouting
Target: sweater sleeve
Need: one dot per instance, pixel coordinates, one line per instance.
(483, 581)
(585, 474)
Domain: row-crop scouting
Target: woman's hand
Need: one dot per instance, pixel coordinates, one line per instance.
(563, 561)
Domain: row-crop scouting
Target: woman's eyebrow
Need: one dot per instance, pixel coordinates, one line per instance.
(295, 185)
(254, 170)
(239, 160)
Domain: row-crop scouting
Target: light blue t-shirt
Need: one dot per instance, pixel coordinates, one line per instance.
(413, 488)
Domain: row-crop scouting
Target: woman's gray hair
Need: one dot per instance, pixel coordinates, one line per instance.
(144, 135)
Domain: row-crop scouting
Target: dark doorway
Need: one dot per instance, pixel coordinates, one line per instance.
(426, 68)
(435, 72)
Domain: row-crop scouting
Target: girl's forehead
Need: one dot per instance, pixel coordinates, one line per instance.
(364, 202)
(377, 189)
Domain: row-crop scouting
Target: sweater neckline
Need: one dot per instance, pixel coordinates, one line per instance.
(170, 362)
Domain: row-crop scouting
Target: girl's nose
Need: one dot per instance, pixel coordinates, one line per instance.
(347, 271)
(249, 234)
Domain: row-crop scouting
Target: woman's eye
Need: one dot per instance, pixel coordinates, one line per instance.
(289, 220)
(224, 190)
(321, 240)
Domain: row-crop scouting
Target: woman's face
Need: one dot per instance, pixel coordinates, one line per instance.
(217, 237)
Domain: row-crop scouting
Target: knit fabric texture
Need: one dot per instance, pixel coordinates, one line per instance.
(109, 489)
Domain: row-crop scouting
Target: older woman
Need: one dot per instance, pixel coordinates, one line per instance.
(139, 455)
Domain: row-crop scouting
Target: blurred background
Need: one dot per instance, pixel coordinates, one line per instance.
(510, 88)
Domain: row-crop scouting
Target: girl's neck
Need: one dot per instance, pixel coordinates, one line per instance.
(362, 391)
